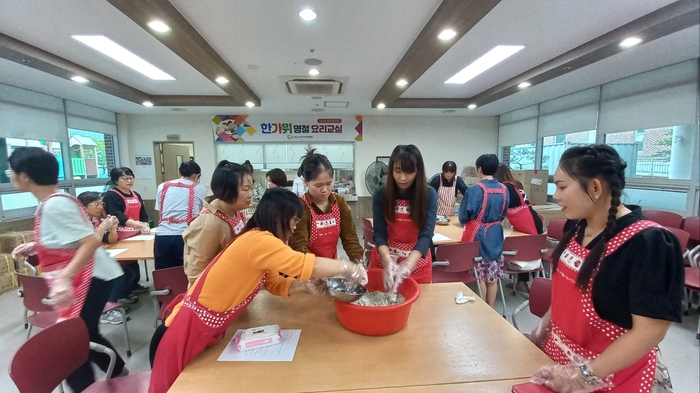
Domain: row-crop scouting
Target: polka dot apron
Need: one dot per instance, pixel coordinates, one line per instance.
(325, 231)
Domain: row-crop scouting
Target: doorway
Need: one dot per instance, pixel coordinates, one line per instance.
(169, 156)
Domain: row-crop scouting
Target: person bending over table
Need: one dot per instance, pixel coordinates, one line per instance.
(326, 216)
(221, 220)
(617, 284)
(404, 212)
(234, 278)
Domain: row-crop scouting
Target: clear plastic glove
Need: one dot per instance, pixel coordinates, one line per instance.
(145, 228)
(402, 272)
(316, 286)
(390, 267)
(24, 250)
(353, 271)
(567, 378)
(61, 293)
(540, 333)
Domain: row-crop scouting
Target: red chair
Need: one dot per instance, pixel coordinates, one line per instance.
(523, 248)
(46, 359)
(539, 301)
(456, 263)
(682, 236)
(368, 239)
(35, 289)
(366, 222)
(168, 284)
(692, 226)
(662, 217)
(555, 228)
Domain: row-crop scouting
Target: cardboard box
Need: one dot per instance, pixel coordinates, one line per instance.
(7, 264)
(7, 282)
(534, 184)
(9, 240)
(548, 212)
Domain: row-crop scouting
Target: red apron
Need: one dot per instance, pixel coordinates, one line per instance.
(472, 227)
(403, 236)
(194, 328)
(237, 224)
(520, 216)
(190, 202)
(580, 330)
(447, 197)
(325, 231)
(132, 211)
(53, 260)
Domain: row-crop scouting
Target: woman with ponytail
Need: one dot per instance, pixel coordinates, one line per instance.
(617, 283)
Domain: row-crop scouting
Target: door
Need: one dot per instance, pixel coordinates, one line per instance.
(169, 156)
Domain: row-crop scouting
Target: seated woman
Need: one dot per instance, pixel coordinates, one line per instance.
(232, 281)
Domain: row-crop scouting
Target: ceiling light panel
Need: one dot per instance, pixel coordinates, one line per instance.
(524, 85)
(117, 52)
(79, 79)
(629, 42)
(159, 26)
(447, 34)
(336, 104)
(490, 59)
(307, 14)
(221, 80)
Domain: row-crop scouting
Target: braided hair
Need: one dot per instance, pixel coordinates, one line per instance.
(583, 164)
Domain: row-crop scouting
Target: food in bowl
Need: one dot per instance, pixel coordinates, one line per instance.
(442, 220)
(379, 299)
(342, 290)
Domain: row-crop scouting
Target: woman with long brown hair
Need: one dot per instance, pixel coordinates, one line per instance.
(404, 213)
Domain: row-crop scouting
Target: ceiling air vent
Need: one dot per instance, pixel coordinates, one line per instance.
(314, 87)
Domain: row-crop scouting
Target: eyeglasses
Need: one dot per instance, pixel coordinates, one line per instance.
(296, 220)
(126, 178)
(98, 204)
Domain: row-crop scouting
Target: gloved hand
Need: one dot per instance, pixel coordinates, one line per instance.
(390, 267)
(353, 272)
(316, 286)
(540, 333)
(567, 378)
(402, 272)
(61, 293)
(113, 222)
(145, 228)
(24, 250)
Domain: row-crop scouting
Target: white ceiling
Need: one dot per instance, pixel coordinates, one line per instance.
(361, 40)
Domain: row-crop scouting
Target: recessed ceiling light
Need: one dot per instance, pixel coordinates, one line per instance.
(79, 79)
(147, 104)
(179, 110)
(317, 110)
(316, 98)
(312, 62)
(490, 59)
(448, 111)
(471, 106)
(221, 80)
(117, 52)
(524, 85)
(630, 42)
(250, 104)
(307, 14)
(447, 34)
(402, 82)
(158, 26)
(381, 106)
(313, 72)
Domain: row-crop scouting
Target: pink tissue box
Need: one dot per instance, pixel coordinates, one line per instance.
(258, 337)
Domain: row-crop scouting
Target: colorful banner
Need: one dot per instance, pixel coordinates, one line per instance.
(254, 128)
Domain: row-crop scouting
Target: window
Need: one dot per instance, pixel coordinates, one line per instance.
(91, 154)
(8, 145)
(656, 153)
(519, 157)
(554, 146)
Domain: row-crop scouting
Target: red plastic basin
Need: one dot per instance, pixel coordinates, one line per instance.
(378, 321)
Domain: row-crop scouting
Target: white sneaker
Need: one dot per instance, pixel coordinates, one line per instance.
(112, 317)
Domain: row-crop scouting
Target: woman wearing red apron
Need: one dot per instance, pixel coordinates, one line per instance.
(481, 211)
(326, 216)
(221, 220)
(234, 278)
(125, 204)
(616, 285)
(404, 212)
(446, 185)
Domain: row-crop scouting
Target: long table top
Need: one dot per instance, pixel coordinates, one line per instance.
(453, 230)
(135, 249)
(443, 343)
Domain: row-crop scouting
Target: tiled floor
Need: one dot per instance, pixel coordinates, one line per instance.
(680, 348)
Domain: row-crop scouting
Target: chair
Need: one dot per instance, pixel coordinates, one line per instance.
(682, 236)
(523, 248)
(692, 226)
(456, 263)
(35, 290)
(662, 217)
(46, 359)
(168, 284)
(366, 222)
(539, 301)
(368, 239)
(555, 228)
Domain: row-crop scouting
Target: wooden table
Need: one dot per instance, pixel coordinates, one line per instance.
(443, 343)
(136, 249)
(501, 386)
(454, 230)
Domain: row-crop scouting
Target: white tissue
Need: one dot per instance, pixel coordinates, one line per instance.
(460, 298)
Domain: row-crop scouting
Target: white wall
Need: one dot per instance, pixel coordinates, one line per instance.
(460, 139)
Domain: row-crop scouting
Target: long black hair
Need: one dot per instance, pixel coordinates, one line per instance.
(409, 159)
(583, 164)
(276, 209)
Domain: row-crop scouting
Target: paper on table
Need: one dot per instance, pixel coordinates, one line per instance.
(142, 237)
(283, 352)
(113, 252)
(154, 230)
(439, 237)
